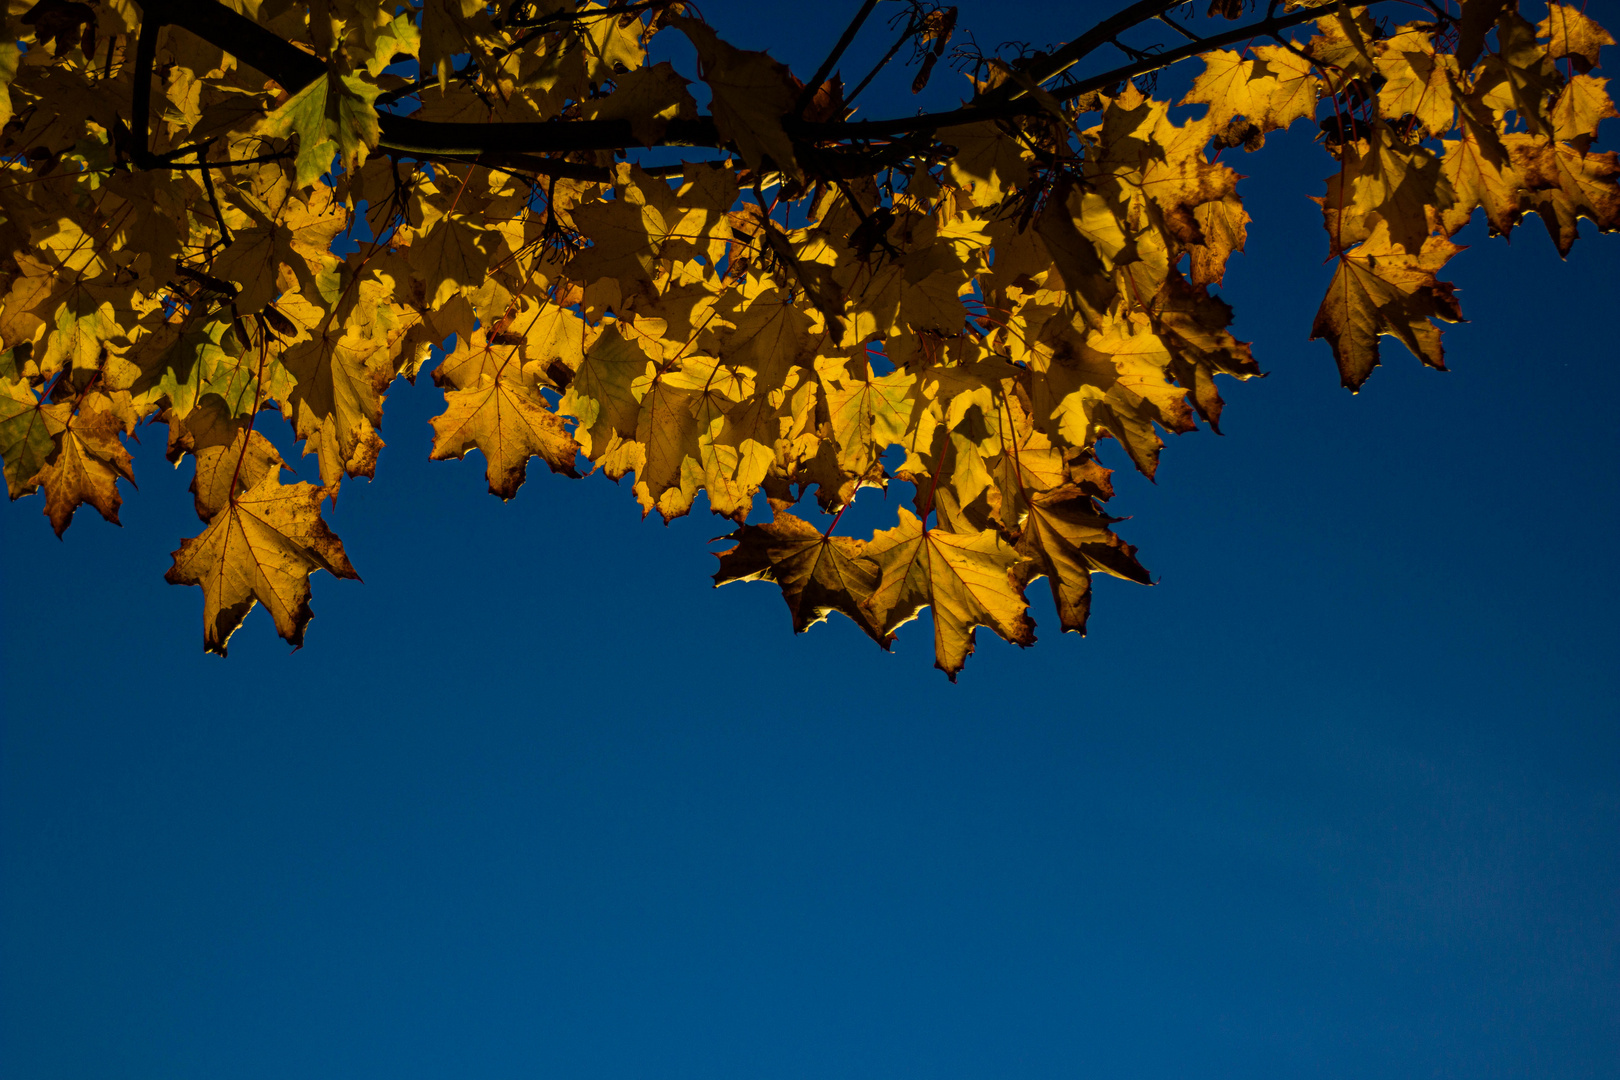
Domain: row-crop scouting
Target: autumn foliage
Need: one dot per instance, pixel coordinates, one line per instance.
(214, 210)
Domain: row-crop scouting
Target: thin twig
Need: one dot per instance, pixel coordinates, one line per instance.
(809, 92)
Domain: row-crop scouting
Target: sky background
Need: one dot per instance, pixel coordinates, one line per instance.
(1339, 797)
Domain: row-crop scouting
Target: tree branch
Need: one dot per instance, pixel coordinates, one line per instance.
(809, 91)
(404, 135)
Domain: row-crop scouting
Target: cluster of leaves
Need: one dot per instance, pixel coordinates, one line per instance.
(211, 211)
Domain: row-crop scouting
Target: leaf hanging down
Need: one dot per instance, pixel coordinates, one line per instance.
(262, 548)
(87, 465)
(818, 574)
(1381, 289)
(334, 115)
(231, 457)
(1065, 538)
(966, 579)
(1573, 36)
(1566, 185)
(509, 422)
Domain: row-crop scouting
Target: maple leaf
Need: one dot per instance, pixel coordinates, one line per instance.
(1083, 235)
(230, 456)
(752, 93)
(1566, 185)
(1573, 36)
(1519, 76)
(1191, 325)
(1224, 227)
(649, 98)
(601, 398)
(1581, 105)
(27, 427)
(509, 423)
(261, 548)
(868, 413)
(669, 425)
(86, 466)
(334, 116)
(987, 159)
(818, 574)
(967, 581)
(1066, 538)
(336, 397)
(1273, 89)
(1380, 288)
(965, 301)
(450, 256)
(1417, 80)
(1480, 177)
(1388, 181)
(1116, 382)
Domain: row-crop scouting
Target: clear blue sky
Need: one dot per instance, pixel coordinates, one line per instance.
(1340, 797)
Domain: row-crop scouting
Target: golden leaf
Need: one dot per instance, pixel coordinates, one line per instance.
(1385, 180)
(450, 257)
(336, 398)
(1581, 105)
(1566, 185)
(88, 463)
(1273, 90)
(27, 430)
(261, 548)
(987, 159)
(601, 399)
(1573, 36)
(509, 423)
(966, 580)
(230, 456)
(1380, 288)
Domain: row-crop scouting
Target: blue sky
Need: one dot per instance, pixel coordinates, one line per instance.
(1339, 797)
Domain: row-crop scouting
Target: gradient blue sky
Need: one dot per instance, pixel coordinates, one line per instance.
(1339, 797)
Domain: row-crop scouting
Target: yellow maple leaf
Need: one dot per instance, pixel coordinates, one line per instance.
(261, 548)
(987, 159)
(509, 422)
(1581, 105)
(1573, 35)
(230, 456)
(27, 430)
(966, 580)
(1385, 180)
(1567, 185)
(1381, 288)
(1417, 80)
(87, 464)
(338, 381)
